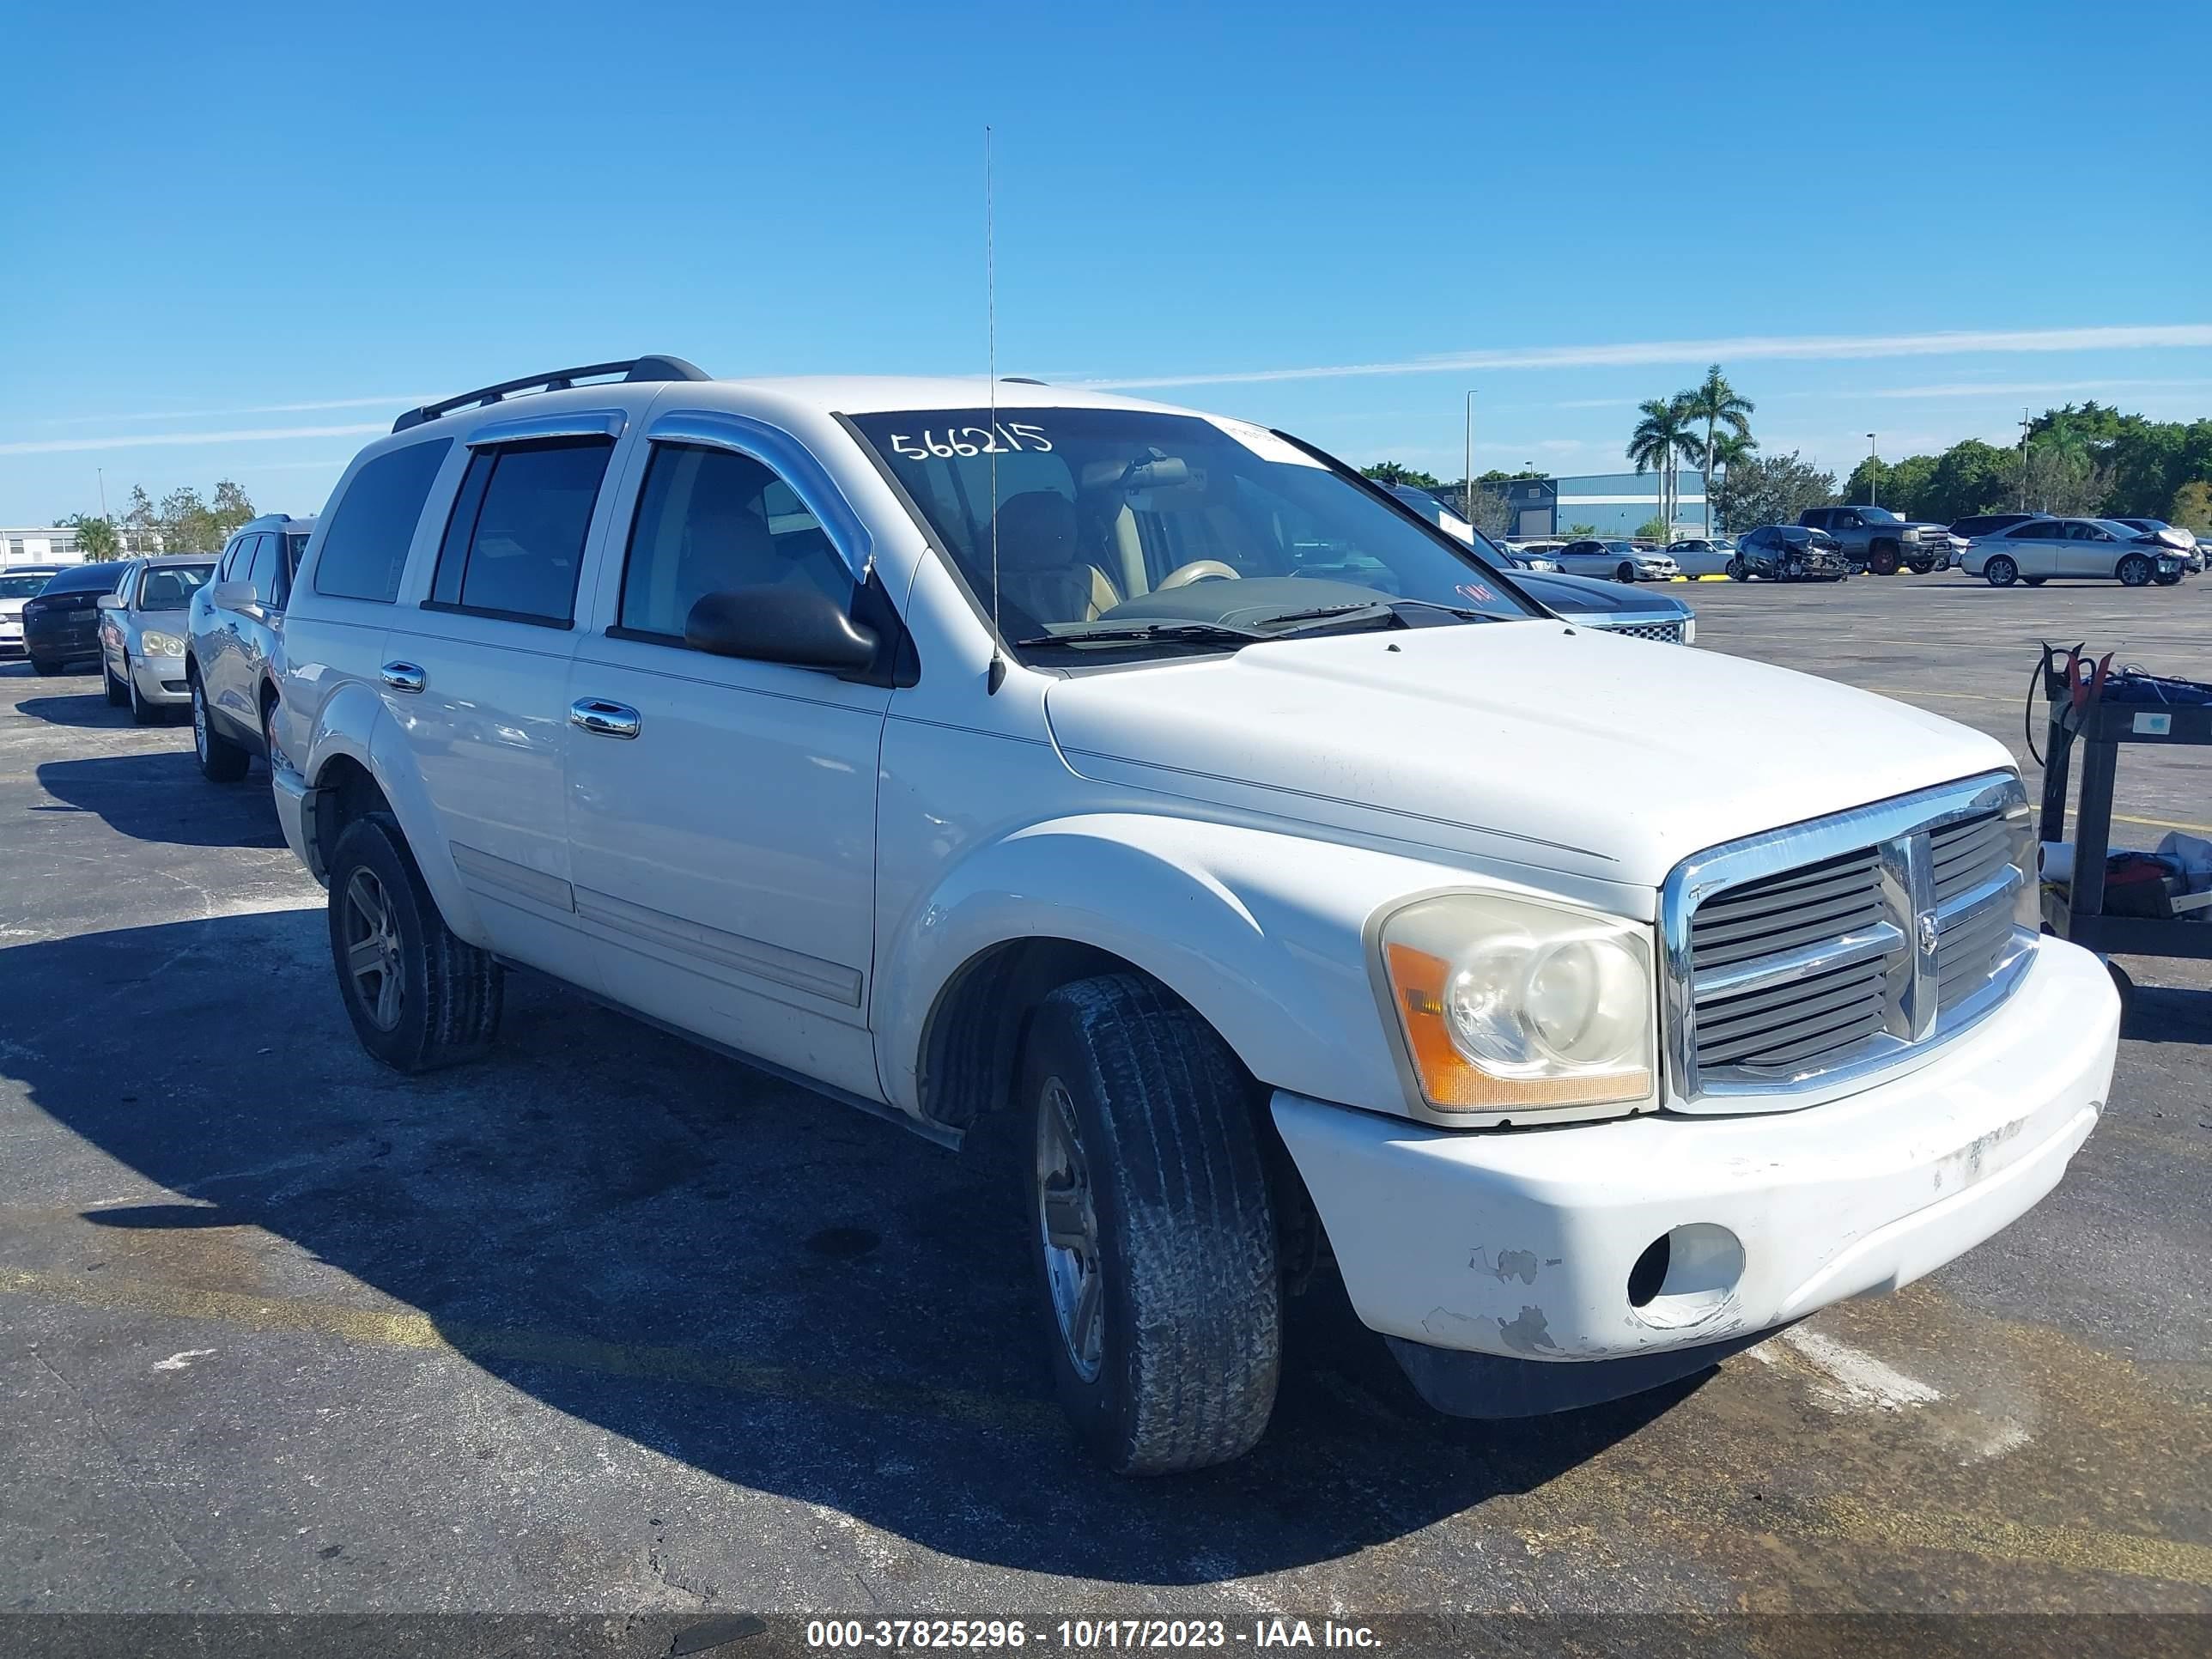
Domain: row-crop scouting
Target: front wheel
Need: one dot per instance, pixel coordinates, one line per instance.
(1153, 1236)
(2136, 571)
(1625, 573)
(142, 712)
(419, 995)
(221, 760)
(1737, 572)
(2035, 581)
(117, 697)
(2001, 571)
(1882, 559)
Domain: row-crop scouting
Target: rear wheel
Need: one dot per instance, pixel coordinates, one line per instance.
(2135, 571)
(2001, 571)
(2035, 581)
(419, 996)
(45, 667)
(221, 760)
(1152, 1233)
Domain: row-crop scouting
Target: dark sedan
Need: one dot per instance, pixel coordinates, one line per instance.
(1789, 553)
(61, 621)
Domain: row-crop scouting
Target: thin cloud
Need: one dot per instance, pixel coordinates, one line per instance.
(2020, 388)
(1805, 348)
(163, 439)
(395, 401)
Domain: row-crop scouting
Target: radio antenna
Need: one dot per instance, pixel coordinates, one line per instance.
(995, 676)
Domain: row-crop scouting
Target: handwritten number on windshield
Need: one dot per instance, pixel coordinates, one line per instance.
(1015, 436)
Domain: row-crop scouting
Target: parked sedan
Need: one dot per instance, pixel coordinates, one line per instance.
(1588, 602)
(1695, 556)
(2092, 549)
(1789, 553)
(61, 621)
(142, 635)
(1623, 561)
(18, 583)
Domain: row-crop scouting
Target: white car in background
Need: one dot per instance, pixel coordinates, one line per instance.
(18, 583)
(1622, 561)
(1696, 555)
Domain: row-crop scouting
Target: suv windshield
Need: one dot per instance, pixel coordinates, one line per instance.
(1170, 530)
(21, 588)
(171, 587)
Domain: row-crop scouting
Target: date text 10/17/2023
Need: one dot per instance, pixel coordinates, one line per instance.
(1083, 1635)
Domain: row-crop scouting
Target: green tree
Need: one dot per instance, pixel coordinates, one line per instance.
(1721, 407)
(2191, 507)
(1773, 489)
(230, 509)
(95, 537)
(1655, 529)
(1389, 472)
(1969, 477)
(1578, 532)
(1658, 443)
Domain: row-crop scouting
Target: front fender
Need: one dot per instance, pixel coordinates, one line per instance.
(354, 723)
(1261, 932)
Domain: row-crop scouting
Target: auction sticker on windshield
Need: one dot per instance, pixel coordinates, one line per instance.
(1263, 443)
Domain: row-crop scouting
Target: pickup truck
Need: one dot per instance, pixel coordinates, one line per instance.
(1149, 789)
(1874, 538)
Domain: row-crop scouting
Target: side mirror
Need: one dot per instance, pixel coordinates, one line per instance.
(800, 626)
(110, 602)
(234, 596)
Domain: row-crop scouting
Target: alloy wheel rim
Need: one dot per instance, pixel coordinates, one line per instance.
(1067, 1221)
(372, 949)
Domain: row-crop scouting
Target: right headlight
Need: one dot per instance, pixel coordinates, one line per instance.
(1508, 1004)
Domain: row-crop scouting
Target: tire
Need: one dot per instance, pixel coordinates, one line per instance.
(2000, 572)
(418, 996)
(45, 669)
(2168, 578)
(2035, 581)
(1626, 572)
(1882, 558)
(142, 712)
(221, 760)
(1163, 1310)
(117, 696)
(2135, 571)
(1737, 572)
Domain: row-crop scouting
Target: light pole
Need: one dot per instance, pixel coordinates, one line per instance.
(1466, 477)
(1873, 467)
(2023, 460)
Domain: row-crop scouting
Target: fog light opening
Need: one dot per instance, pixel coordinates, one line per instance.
(1650, 1271)
(1687, 1275)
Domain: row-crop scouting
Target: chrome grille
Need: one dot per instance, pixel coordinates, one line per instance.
(1668, 633)
(1803, 958)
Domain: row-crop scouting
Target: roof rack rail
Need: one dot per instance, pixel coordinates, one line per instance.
(561, 379)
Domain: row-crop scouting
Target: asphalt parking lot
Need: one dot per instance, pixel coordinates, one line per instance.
(607, 1326)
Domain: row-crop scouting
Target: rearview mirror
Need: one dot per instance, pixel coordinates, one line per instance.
(799, 627)
(233, 596)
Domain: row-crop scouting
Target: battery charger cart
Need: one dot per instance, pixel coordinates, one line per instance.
(2101, 728)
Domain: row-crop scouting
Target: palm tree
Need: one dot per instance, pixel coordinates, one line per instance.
(1718, 405)
(1662, 435)
(1730, 449)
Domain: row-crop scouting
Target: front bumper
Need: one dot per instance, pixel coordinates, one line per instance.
(1522, 1243)
(161, 680)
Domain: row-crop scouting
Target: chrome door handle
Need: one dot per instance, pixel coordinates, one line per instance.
(402, 675)
(603, 719)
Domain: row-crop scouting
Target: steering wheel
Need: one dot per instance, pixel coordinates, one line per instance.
(1198, 570)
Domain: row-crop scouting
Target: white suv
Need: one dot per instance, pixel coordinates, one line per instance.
(1152, 783)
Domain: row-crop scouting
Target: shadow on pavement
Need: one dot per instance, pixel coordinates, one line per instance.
(716, 1264)
(2168, 1013)
(88, 708)
(161, 797)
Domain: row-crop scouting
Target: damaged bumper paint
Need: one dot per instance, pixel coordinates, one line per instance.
(1622, 1241)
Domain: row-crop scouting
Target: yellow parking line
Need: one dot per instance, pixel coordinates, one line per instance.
(479, 1343)
(2077, 1549)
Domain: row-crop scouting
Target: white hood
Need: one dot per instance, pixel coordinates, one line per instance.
(1566, 749)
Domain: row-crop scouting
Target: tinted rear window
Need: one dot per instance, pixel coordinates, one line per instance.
(515, 543)
(100, 578)
(365, 550)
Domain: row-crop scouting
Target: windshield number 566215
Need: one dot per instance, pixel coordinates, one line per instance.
(1016, 435)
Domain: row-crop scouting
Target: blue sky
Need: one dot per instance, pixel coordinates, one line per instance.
(236, 240)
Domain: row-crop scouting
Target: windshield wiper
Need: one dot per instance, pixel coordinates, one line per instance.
(1194, 633)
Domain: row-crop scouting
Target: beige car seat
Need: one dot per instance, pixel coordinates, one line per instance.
(1042, 568)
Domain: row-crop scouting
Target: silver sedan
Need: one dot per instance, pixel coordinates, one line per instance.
(142, 635)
